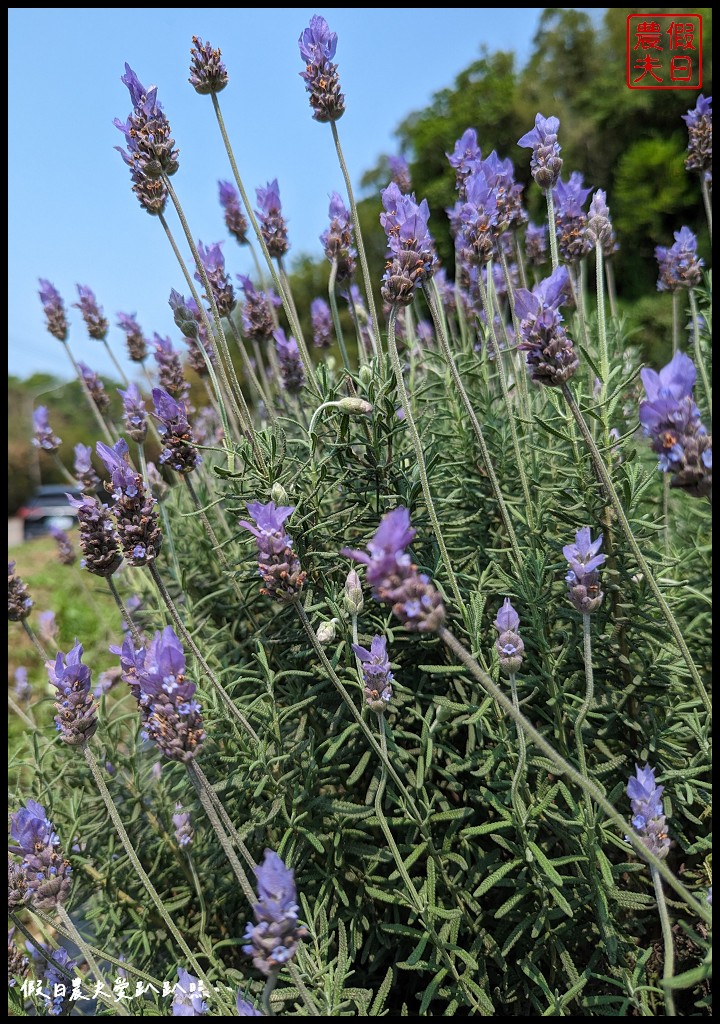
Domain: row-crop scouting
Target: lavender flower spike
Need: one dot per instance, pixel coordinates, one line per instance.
(84, 469)
(150, 149)
(213, 261)
(170, 371)
(671, 419)
(95, 387)
(99, 541)
(19, 602)
(550, 353)
(47, 873)
(291, 367)
(54, 310)
(134, 337)
(509, 644)
(599, 225)
(317, 48)
(648, 820)
(134, 414)
(235, 219)
(44, 437)
(376, 672)
(76, 718)
(321, 323)
(583, 579)
(394, 579)
(338, 239)
(278, 565)
(699, 125)
(257, 313)
(536, 239)
(208, 74)
(184, 831)
(679, 265)
(177, 436)
(274, 938)
(273, 227)
(400, 173)
(546, 162)
(135, 511)
(412, 256)
(92, 314)
(66, 552)
(172, 717)
(188, 999)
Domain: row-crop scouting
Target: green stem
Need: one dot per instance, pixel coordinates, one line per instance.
(643, 565)
(116, 364)
(32, 939)
(422, 470)
(202, 787)
(610, 280)
(675, 319)
(263, 395)
(699, 359)
(17, 710)
(707, 203)
(138, 640)
(585, 707)
(475, 423)
(586, 785)
(36, 643)
(515, 798)
(602, 329)
(214, 681)
(336, 317)
(225, 817)
(669, 945)
(552, 231)
(139, 869)
(520, 462)
(520, 371)
(268, 990)
(374, 322)
(67, 475)
(307, 362)
(85, 950)
(666, 513)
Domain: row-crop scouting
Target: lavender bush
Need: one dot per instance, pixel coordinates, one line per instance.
(401, 773)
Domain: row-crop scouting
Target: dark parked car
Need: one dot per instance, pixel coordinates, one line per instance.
(49, 508)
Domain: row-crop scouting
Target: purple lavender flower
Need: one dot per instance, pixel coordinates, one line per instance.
(273, 227)
(66, 552)
(84, 469)
(177, 436)
(44, 437)
(582, 578)
(273, 939)
(257, 314)
(76, 718)
(500, 176)
(135, 511)
(278, 565)
(246, 1009)
(106, 681)
(188, 998)
(235, 219)
(291, 367)
(170, 369)
(134, 337)
(317, 48)
(464, 157)
(47, 626)
(54, 310)
(509, 644)
(134, 413)
(671, 419)
(400, 173)
(22, 688)
(679, 265)
(474, 221)
(337, 240)
(412, 256)
(599, 225)
(92, 314)
(425, 333)
(536, 244)
(150, 149)
(99, 540)
(94, 387)
(546, 162)
(321, 323)
(550, 354)
(19, 602)
(394, 579)
(55, 979)
(376, 672)
(571, 220)
(18, 963)
(17, 885)
(213, 261)
(208, 74)
(699, 125)
(46, 872)
(648, 820)
(184, 831)
(172, 717)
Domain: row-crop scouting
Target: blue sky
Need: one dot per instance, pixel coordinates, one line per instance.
(72, 216)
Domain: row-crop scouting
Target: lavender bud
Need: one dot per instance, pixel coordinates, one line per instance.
(545, 163)
(273, 939)
(184, 831)
(76, 718)
(354, 601)
(207, 72)
(582, 578)
(509, 644)
(66, 552)
(699, 124)
(354, 406)
(648, 820)
(43, 435)
(54, 310)
(19, 603)
(291, 367)
(235, 219)
(376, 672)
(134, 414)
(272, 223)
(134, 337)
(321, 323)
(94, 386)
(326, 632)
(99, 541)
